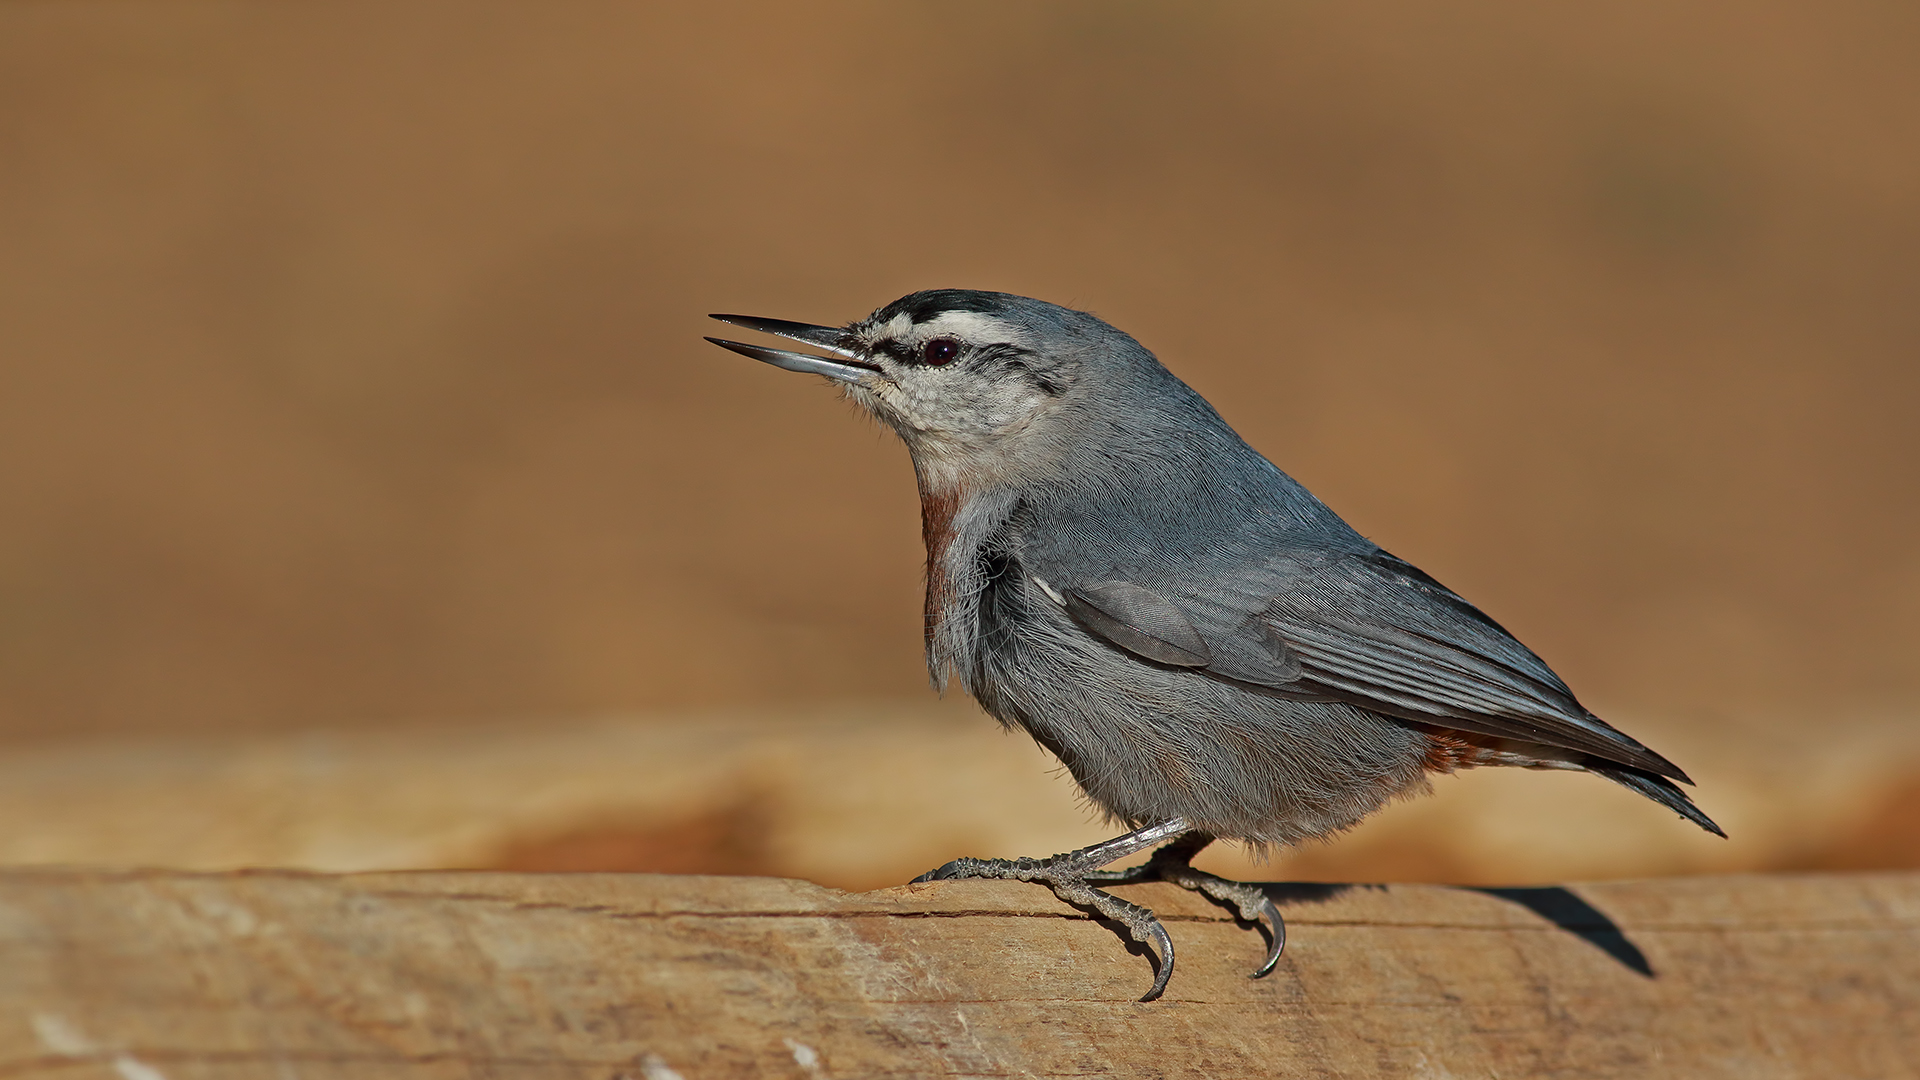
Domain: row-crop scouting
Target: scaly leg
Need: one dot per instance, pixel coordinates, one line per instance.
(1068, 876)
(1173, 863)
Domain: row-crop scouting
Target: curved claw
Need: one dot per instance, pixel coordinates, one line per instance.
(1279, 926)
(1165, 973)
(943, 872)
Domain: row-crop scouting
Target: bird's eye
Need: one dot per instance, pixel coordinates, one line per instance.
(941, 350)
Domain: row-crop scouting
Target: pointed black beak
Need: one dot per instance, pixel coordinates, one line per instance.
(831, 338)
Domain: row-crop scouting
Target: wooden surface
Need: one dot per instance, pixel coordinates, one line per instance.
(137, 976)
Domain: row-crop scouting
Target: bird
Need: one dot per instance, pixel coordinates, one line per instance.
(1210, 651)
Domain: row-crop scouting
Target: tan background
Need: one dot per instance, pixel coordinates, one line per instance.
(350, 372)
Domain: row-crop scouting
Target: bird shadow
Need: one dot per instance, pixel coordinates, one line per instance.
(1285, 893)
(1579, 918)
(1553, 903)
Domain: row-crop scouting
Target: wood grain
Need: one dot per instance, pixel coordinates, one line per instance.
(163, 974)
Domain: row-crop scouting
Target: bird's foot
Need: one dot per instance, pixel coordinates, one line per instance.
(1173, 863)
(1068, 876)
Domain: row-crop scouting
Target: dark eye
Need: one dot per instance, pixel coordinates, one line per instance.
(941, 350)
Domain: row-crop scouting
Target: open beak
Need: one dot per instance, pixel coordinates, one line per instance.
(850, 368)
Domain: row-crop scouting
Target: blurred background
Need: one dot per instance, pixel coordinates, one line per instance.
(368, 497)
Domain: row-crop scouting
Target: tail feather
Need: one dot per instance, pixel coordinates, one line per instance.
(1659, 789)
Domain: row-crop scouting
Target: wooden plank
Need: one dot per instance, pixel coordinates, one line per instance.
(137, 976)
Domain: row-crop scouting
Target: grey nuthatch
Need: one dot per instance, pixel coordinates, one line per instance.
(1210, 651)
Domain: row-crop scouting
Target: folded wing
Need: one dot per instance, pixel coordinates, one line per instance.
(1357, 626)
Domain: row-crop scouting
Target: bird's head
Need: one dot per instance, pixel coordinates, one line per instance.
(981, 386)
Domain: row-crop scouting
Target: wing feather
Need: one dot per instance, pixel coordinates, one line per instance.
(1364, 627)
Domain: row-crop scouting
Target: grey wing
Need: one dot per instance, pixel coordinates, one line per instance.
(1360, 627)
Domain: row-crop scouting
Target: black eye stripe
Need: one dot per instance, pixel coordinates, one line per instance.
(898, 352)
(976, 354)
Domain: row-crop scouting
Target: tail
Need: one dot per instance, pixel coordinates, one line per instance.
(1658, 788)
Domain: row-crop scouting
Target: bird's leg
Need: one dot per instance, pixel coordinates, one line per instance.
(1068, 875)
(1173, 863)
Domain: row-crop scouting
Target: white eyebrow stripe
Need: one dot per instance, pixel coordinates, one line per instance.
(970, 326)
